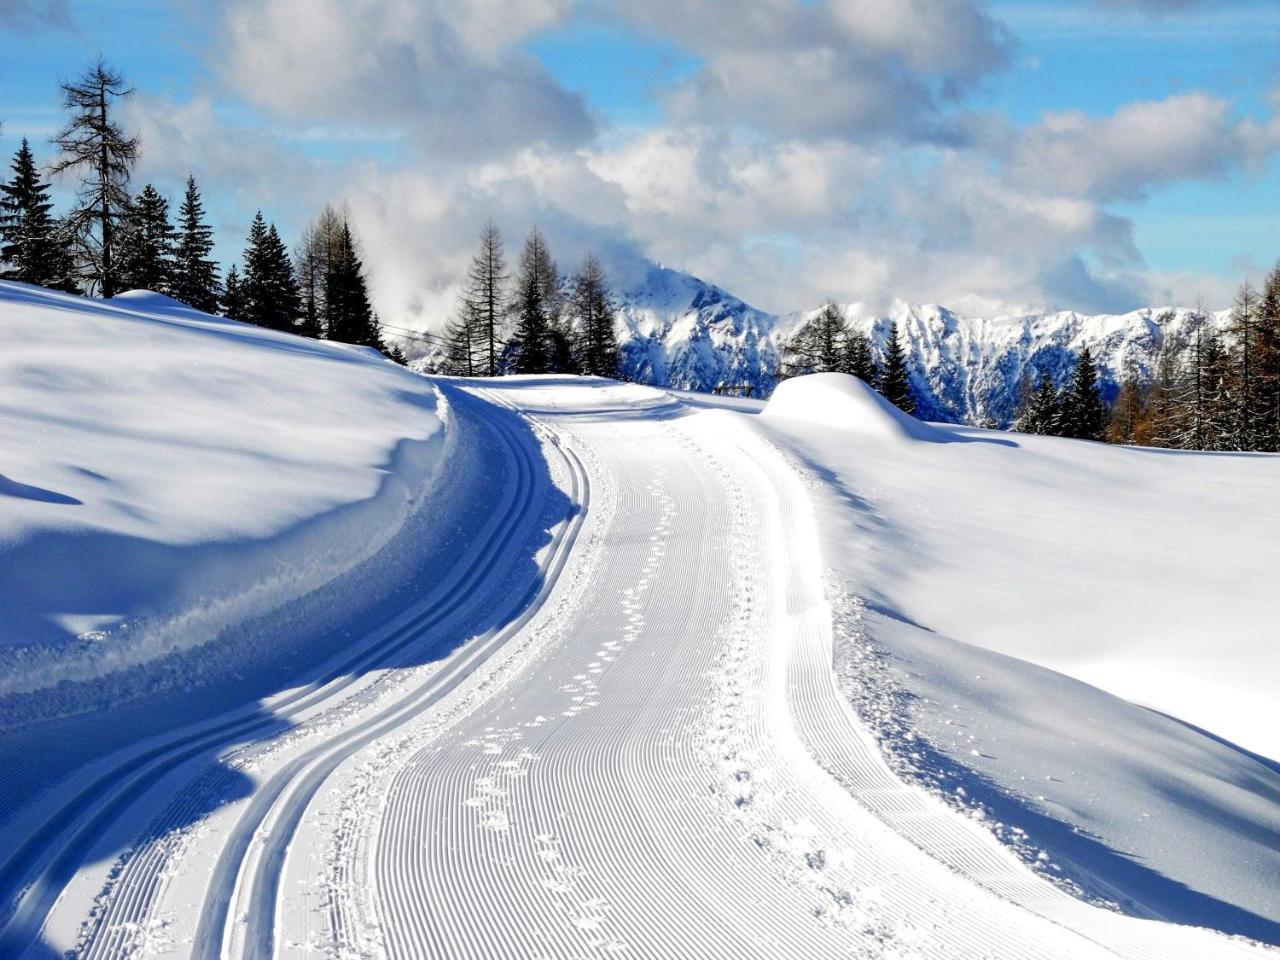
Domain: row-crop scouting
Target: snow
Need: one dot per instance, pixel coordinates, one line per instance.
(1048, 627)
(167, 474)
(661, 676)
(846, 404)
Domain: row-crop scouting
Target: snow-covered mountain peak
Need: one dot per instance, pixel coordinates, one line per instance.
(680, 331)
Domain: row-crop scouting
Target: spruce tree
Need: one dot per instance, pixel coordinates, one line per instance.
(233, 301)
(535, 307)
(1083, 414)
(195, 274)
(94, 147)
(592, 311)
(350, 314)
(269, 289)
(895, 382)
(146, 259)
(33, 245)
(1042, 413)
(858, 358)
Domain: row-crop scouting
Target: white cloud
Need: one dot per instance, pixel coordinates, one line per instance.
(813, 155)
(1142, 145)
(448, 74)
(834, 68)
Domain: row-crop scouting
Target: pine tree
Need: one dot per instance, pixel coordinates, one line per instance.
(1083, 415)
(145, 256)
(33, 245)
(1042, 413)
(269, 290)
(1269, 363)
(858, 358)
(1248, 402)
(94, 147)
(195, 274)
(819, 346)
(535, 306)
(485, 289)
(315, 257)
(895, 382)
(464, 338)
(233, 300)
(592, 311)
(350, 314)
(1130, 421)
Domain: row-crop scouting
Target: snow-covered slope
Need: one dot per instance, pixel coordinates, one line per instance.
(605, 719)
(1041, 630)
(166, 475)
(681, 332)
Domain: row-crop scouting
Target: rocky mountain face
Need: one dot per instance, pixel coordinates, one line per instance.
(681, 332)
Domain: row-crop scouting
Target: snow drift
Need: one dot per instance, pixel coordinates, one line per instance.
(843, 402)
(167, 474)
(1071, 641)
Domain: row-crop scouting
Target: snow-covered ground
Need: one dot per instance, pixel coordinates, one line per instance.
(978, 576)
(168, 475)
(643, 674)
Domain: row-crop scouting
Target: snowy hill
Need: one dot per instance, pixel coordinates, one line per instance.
(168, 475)
(1039, 631)
(681, 332)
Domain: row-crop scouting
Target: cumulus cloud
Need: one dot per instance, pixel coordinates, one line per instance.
(447, 74)
(1142, 145)
(833, 68)
(820, 149)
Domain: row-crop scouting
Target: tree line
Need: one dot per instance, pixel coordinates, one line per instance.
(111, 240)
(827, 343)
(537, 321)
(1220, 391)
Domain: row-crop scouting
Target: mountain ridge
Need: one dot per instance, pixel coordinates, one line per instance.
(678, 331)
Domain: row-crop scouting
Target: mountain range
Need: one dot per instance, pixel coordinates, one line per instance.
(678, 331)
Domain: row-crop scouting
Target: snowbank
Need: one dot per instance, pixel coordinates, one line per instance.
(166, 474)
(1043, 630)
(843, 402)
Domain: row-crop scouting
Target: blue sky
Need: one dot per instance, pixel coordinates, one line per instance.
(785, 151)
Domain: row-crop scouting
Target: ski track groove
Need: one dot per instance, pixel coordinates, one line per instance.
(650, 757)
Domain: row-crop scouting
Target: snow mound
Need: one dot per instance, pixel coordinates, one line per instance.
(168, 474)
(845, 403)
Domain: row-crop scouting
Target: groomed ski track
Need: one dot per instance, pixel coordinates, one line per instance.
(643, 754)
